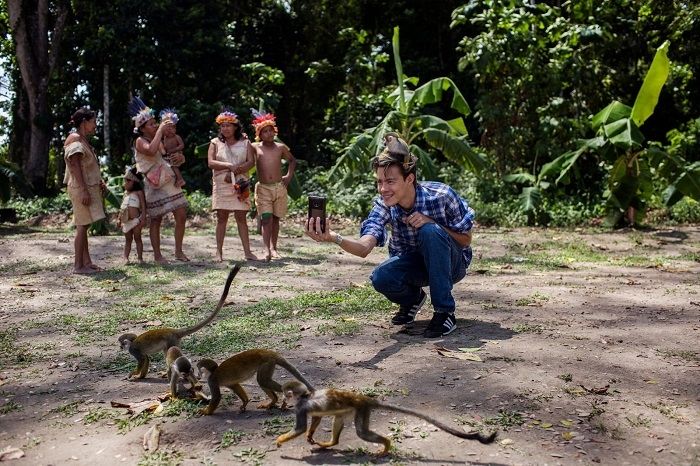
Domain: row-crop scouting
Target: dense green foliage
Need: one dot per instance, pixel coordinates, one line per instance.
(513, 85)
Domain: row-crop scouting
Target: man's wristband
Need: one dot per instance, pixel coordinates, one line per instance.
(338, 239)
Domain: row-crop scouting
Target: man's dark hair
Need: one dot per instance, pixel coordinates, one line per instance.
(406, 164)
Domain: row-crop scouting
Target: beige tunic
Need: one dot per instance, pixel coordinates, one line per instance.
(84, 214)
(166, 197)
(223, 195)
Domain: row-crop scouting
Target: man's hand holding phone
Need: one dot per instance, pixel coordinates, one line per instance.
(314, 231)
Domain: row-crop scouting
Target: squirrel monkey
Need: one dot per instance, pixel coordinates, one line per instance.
(179, 367)
(339, 403)
(153, 341)
(239, 368)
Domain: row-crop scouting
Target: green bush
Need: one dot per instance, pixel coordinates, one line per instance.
(686, 210)
(198, 203)
(31, 207)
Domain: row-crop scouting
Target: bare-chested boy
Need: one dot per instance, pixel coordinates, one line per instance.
(271, 189)
(172, 144)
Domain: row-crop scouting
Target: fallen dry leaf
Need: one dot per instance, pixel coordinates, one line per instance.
(137, 408)
(151, 439)
(567, 435)
(11, 453)
(448, 353)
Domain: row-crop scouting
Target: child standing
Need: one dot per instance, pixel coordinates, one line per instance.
(132, 215)
(173, 144)
(271, 189)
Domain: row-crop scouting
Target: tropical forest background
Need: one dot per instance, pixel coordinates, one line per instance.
(556, 113)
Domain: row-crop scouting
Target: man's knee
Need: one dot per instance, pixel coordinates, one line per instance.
(383, 279)
(430, 231)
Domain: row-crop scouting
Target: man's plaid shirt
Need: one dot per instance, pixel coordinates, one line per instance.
(436, 200)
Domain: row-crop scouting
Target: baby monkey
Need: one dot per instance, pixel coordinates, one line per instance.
(160, 339)
(239, 368)
(179, 368)
(339, 403)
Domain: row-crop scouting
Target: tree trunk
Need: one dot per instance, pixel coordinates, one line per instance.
(105, 111)
(36, 49)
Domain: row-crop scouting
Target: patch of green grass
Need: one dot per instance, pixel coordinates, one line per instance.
(638, 261)
(690, 356)
(250, 456)
(125, 425)
(26, 267)
(638, 421)
(161, 458)
(11, 353)
(396, 430)
(378, 389)
(339, 328)
(528, 328)
(231, 437)
(178, 406)
(97, 414)
(505, 419)
(614, 432)
(67, 409)
(668, 410)
(277, 425)
(9, 407)
(534, 299)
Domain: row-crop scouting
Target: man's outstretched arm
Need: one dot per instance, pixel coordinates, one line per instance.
(358, 247)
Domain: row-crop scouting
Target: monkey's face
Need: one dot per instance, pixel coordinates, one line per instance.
(203, 373)
(290, 397)
(124, 342)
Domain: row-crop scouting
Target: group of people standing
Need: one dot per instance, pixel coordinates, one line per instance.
(153, 187)
(431, 224)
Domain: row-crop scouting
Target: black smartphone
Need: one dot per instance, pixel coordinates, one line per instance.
(317, 208)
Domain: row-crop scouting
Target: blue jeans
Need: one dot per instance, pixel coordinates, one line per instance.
(437, 262)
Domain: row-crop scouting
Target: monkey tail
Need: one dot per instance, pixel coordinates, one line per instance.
(295, 372)
(190, 330)
(457, 433)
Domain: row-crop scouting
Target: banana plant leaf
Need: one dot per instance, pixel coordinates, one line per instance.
(624, 133)
(520, 178)
(530, 198)
(426, 165)
(455, 149)
(432, 91)
(613, 112)
(656, 77)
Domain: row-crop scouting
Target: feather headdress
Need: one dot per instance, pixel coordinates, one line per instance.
(169, 114)
(139, 112)
(263, 120)
(227, 116)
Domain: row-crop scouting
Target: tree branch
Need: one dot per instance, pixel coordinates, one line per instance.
(57, 35)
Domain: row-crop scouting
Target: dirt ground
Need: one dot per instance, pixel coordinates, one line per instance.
(589, 348)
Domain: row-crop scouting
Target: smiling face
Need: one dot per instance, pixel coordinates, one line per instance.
(393, 188)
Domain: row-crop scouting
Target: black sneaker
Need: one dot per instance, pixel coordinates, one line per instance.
(407, 314)
(440, 325)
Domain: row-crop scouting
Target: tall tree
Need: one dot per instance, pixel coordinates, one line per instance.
(37, 29)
